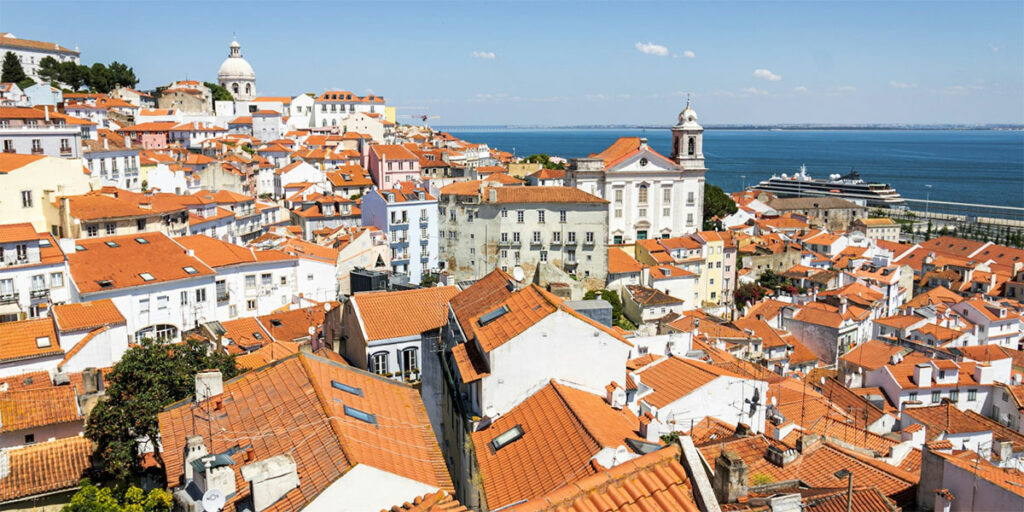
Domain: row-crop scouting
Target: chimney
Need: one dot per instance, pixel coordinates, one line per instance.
(270, 480)
(808, 443)
(492, 195)
(46, 111)
(92, 381)
(1004, 449)
(615, 396)
(843, 303)
(923, 374)
(208, 383)
(983, 373)
(731, 478)
(195, 449)
(780, 457)
(214, 472)
(106, 142)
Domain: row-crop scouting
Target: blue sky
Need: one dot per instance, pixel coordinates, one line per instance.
(563, 63)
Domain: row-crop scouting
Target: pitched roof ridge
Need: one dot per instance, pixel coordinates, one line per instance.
(81, 344)
(556, 386)
(324, 406)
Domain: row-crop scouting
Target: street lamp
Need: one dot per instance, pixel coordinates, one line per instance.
(843, 473)
(744, 186)
(927, 197)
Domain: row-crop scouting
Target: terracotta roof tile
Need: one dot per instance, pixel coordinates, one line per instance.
(292, 406)
(80, 316)
(38, 407)
(45, 467)
(102, 267)
(403, 313)
(25, 339)
(439, 501)
(563, 428)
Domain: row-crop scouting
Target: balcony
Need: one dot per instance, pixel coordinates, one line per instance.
(223, 297)
(37, 151)
(39, 294)
(8, 150)
(424, 223)
(9, 297)
(66, 151)
(424, 241)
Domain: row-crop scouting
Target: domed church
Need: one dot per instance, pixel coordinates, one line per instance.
(236, 75)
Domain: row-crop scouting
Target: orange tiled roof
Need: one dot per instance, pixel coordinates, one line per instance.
(21, 232)
(101, 267)
(563, 428)
(87, 315)
(294, 324)
(46, 467)
(622, 149)
(393, 152)
(439, 501)
(673, 377)
(653, 482)
(621, 263)
(25, 339)
(38, 407)
(530, 195)
(273, 351)
(13, 161)
(308, 420)
(403, 313)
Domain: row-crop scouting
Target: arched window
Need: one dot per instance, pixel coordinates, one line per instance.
(643, 194)
(248, 88)
(234, 88)
(161, 332)
(410, 360)
(323, 122)
(379, 363)
(675, 146)
(691, 146)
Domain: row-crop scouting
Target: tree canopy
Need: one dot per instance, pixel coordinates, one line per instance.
(12, 70)
(150, 376)
(544, 160)
(99, 77)
(716, 204)
(90, 498)
(219, 93)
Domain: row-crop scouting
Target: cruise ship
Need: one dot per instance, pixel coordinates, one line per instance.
(850, 187)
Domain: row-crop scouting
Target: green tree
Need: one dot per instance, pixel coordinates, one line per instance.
(26, 83)
(770, 279)
(544, 160)
(219, 93)
(716, 204)
(149, 377)
(748, 293)
(99, 78)
(121, 74)
(12, 70)
(49, 69)
(74, 75)
(90, 498)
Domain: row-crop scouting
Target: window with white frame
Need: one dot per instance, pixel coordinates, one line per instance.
(379, 363)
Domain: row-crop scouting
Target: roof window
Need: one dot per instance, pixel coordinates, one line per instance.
(507, 437)
(275, 323)
(361, 415)
(346, 388)
(105, 283)
(142, 241)
(146, 276)
(257, 336)
(42, 342)
(79, 247)
(492, 315)
(190, 270)
(111, 244)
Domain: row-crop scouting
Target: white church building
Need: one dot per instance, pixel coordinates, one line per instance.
(649, 195)
(236, 75)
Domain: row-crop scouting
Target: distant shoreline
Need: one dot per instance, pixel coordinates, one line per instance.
(993, 127)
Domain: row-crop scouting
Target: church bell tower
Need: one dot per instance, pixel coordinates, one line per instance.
(688, 140)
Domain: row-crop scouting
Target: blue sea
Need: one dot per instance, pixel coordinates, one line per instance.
(967, 166)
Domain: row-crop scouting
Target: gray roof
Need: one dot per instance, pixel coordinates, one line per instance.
(810, 203)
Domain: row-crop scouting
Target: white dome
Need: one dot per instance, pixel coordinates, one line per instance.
(235, 68)
(688, 117)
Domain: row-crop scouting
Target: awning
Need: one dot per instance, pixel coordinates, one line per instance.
(10, 309)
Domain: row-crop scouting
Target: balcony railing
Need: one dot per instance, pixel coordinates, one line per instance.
(37, 151)
(40, 293)
(9, 297)
(8, 150)
(66, 151)
(223, 297)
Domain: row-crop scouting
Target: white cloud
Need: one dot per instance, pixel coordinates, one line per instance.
(595, 97)
(484, 55)
(652, 49)
(843, 89)
(995, 49)
(755, 91)
(624, 96)
(767, 75)
(902, 85)
(689, 54)
(800, 89)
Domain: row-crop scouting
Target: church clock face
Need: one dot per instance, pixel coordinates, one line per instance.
(643, 162)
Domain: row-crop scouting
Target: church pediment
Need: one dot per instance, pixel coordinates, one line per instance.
(645, 160)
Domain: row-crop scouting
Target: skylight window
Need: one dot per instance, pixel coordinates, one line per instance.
(146, 276)
(111, 244)
(492, 315)
(346, 388)
(79, 248)
(361, 415)
(507, 437)
(42, 342)
(257, 336)
(275, 323)
(190, 270)
(105, 283)
(142, 241)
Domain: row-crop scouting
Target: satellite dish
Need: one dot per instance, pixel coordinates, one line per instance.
(311, 330)
(517, 274)
(327, 307)
(213, 500)
(773, 401)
